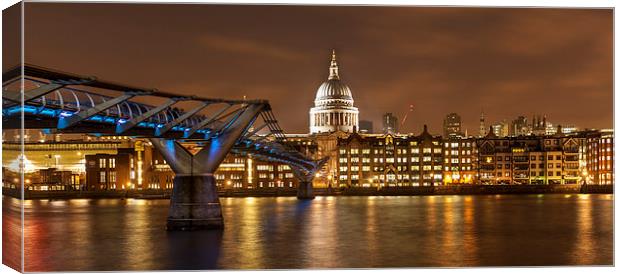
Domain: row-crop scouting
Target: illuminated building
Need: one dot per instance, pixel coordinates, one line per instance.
(600, 157)
(500, 129)
(539, 125)
(452, 125)
(389, 160)
(553, 159)
(519, 127)
(566, 129)
(110, 171)
(460, 160)
(333, 106)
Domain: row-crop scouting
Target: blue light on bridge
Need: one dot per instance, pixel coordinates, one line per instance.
(64, 114)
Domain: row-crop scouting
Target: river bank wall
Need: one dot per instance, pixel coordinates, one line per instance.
(287, 192)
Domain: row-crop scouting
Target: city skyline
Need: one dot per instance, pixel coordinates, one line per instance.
(528, 61)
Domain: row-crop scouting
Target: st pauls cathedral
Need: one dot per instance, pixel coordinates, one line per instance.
(333, 106)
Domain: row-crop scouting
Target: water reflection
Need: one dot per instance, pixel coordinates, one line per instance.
(343, 232)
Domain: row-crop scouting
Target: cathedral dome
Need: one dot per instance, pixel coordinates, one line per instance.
(333, 89)
(333, 105)
(333, 92)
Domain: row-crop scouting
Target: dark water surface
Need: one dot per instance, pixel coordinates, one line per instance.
(328, 232)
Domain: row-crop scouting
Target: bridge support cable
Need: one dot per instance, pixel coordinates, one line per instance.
(194, 203)
(206, 122)
(72, 119)
(129, 124)
(159, 131)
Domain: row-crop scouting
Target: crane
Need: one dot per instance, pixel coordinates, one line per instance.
(405, 116)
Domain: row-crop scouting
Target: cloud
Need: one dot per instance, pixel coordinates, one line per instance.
(249, 47)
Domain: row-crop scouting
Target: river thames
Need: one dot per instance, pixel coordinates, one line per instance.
(328, 232)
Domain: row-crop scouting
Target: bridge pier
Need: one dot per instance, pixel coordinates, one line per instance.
(194, 204)
(305, 191)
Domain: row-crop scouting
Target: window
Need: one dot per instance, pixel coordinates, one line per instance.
(102, 162)
(264, 167)
(112, 176)
(558, 157)
(112, 162)
(102, 177)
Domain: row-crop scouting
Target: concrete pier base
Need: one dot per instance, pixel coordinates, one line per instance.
(194, 204)
(305, 191)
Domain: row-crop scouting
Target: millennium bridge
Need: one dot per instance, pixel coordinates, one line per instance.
(59, 102)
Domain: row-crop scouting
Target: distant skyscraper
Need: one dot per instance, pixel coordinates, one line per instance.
(519, 127)
(500, 129)
(540, 125)
(483, 127)
(365, 126)
(390, 123)
(452, 125)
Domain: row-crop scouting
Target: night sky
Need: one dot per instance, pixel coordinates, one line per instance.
(507, 62)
